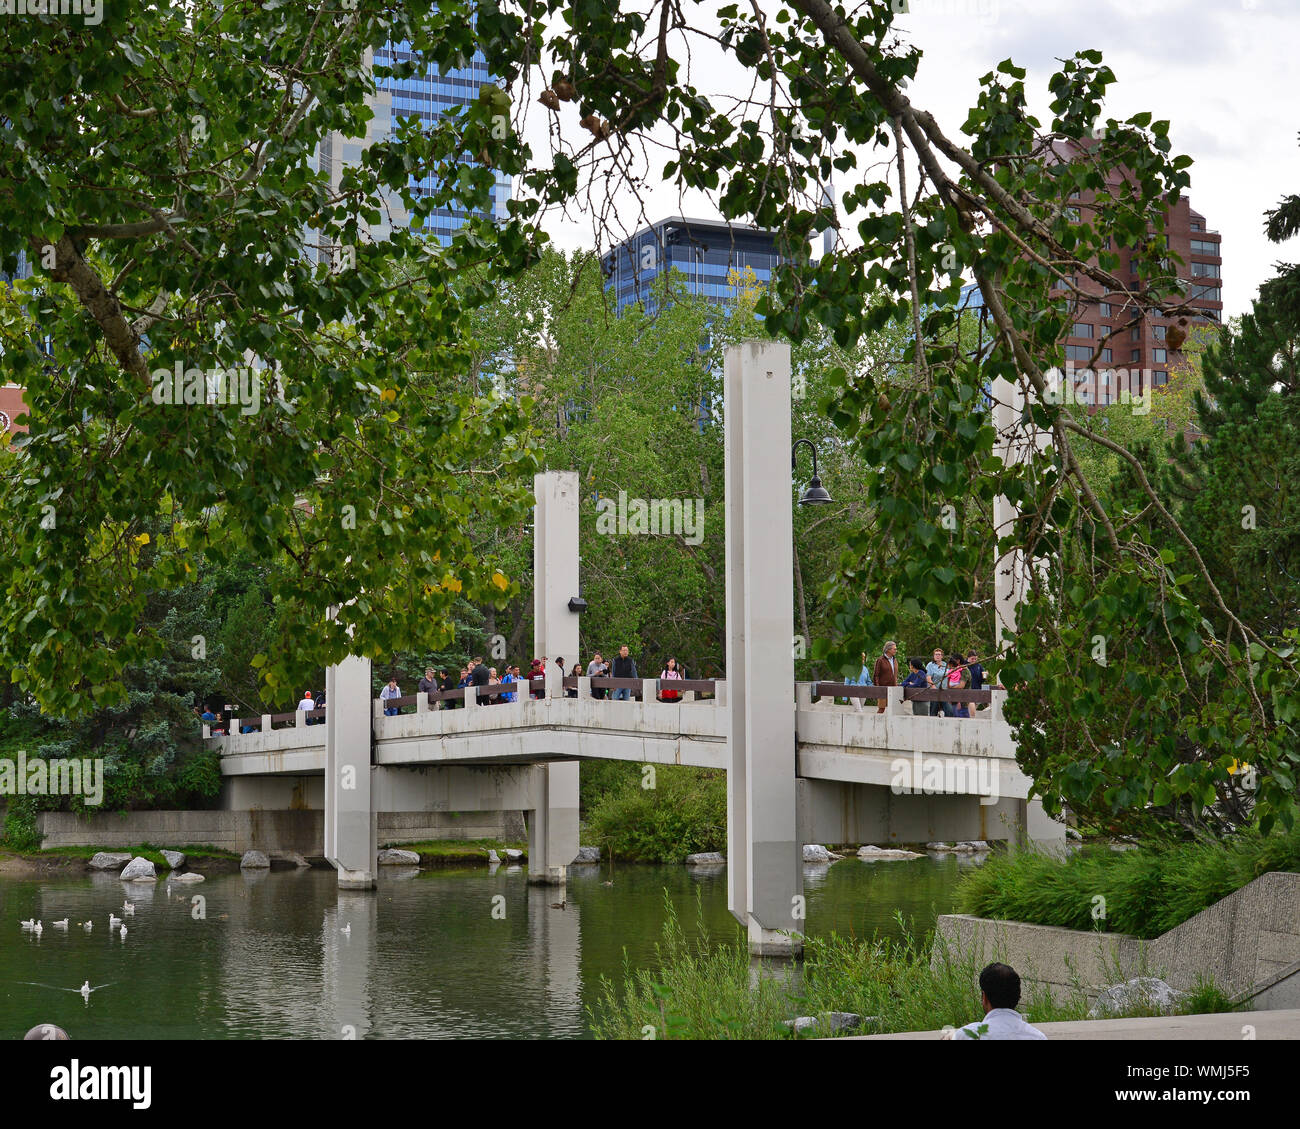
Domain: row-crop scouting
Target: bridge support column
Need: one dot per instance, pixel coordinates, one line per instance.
(350, 825)
(553, 827)
(1017, 440)
(764, 868)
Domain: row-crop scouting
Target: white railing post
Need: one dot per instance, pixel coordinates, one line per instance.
(584, 686)
(895, 701)
(471, 696)
(299, 718)
(266, 723)
(649, 689)
(421, 701)
(803, 695)
(720, 693)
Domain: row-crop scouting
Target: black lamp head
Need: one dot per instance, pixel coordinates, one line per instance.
(816, 494)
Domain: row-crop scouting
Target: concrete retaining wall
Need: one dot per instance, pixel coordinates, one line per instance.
(1044, 955)
(300, 831)
(1248, 943)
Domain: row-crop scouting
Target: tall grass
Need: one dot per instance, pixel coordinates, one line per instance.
(1145, 891)
(701, 990)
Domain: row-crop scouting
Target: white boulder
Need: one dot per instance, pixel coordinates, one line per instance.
(1143, 993)
(138, 868)
(887, 853)
(254, 860)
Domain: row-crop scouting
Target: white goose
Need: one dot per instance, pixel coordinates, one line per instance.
(60, 924)
(28, 925)
(128, 908)
(37, 929)
(347, 929)
(87, 925)
(114, 921)
(123, 933)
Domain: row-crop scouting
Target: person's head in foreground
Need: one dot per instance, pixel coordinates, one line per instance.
(999, 995)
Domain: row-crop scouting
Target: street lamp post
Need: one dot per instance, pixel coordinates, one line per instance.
(816, 494)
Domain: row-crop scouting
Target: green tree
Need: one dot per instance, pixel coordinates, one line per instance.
(164, 188)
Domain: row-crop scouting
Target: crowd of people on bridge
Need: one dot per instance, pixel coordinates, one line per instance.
(957, 670)
(478, 674)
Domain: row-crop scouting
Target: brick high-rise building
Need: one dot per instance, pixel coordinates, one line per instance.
(1140, 351)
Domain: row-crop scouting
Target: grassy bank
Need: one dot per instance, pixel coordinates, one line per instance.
(142, 850)
(451, 852)
(1145, 891)
(698, 991)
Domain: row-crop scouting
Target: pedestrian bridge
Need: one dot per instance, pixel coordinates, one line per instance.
(892, 776)
(800, 767)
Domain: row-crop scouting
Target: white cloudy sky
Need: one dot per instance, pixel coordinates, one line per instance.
(1222, 71)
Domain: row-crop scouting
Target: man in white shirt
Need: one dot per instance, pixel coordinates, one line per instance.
(306, 703)
(999, 994)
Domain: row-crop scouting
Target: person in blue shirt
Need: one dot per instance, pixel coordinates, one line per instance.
(863, 679)
(918, 680)
(508, 677)
(386, 695)
(937, 673)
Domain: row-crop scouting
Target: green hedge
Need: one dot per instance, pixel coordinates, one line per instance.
(1145, 891)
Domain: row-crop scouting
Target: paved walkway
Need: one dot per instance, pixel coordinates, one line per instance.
(1227, 1025)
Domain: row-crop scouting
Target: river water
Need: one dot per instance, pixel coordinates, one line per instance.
(459, 953)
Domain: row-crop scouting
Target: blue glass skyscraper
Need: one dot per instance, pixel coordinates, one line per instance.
(704, 251)
(427, 97)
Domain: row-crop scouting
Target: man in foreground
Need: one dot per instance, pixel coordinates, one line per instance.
(999, 994)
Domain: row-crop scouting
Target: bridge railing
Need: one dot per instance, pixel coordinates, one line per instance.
(821, 695)
(910, 693)
(265, 723)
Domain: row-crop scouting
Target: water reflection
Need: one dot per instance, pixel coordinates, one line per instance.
(428, 954)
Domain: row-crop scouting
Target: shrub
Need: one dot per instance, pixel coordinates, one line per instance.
(685, 812)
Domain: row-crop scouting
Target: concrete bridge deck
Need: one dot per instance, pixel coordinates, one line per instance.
(833, 742)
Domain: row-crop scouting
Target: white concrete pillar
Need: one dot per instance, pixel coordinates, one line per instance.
(350, 824)
(1016, 441)
(765, 873)
(553, 829)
